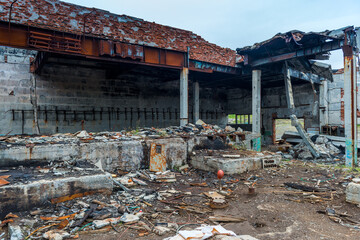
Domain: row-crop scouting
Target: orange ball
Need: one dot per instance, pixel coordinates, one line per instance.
(220, 174)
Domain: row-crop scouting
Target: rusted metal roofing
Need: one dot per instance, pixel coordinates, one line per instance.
(70, 18)
(299, 46)
(281, 42)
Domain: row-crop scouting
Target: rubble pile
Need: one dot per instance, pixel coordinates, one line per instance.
(199, 129)
(328, 151)
(149, 202)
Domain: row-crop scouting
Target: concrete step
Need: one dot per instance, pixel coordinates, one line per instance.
(38, 187)
(232, 163)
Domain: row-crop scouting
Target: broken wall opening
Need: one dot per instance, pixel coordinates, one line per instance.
(283, 125)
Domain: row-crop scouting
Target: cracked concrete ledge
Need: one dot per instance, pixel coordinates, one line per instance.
(124, 155)
(22, 197)
(231, 166)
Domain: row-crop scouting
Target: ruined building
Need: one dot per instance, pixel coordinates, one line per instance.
(71, 67)
(66, 68)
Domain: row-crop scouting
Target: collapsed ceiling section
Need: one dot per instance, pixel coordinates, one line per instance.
(299, 49)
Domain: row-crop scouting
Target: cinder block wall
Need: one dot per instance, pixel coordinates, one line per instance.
(70, 97)
(274, 102)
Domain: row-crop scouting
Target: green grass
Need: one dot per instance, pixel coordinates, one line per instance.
(282, 125)
(231, 118)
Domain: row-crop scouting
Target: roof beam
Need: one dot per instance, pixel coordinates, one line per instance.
(322, 48)
(310, 77)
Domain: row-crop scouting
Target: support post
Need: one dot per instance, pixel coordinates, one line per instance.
(323, 107)
(288, 88)
(294, 120)
(184, 113)
(350, 97)
(196, 102)
(33, 100)
(256, 108)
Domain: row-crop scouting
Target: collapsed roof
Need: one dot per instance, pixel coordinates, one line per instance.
(299, 49)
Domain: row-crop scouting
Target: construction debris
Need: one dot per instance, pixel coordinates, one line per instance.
(203, 232)
(323, 145)
(353, 191)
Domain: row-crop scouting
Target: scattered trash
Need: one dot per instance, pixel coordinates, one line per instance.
(203, 232)
(56, 234)
(223, 218)
(15, 232)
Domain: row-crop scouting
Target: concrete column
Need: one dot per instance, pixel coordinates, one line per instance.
(184, 92)
(34, 102)
(324, 106)
(256, 108)
(196, 102)
(350, 99)
(288, 87)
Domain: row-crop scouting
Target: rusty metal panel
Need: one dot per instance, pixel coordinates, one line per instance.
(90, 47)
(157, 158)
(175, 58)
(152, 55)
(129, 51)
(47, 41)
(64, 17)
(15, 37)
(106, 47)
(162, 56)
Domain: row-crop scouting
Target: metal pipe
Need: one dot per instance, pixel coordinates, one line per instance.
(11, 6)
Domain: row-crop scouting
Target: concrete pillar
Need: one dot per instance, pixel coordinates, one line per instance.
(350, 99)
(288, 87)
(184, 92)
(256, 108)
(196, 102)
(324, 106)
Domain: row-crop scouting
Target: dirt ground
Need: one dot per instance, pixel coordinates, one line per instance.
(273, 212)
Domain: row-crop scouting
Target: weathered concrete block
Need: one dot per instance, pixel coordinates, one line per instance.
(15, 232)
(353, 193)
(175, 150)
(18, 155)
(230, 165)
(21, 197)
(124, 155)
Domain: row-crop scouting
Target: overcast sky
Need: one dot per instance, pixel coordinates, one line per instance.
(239, 23)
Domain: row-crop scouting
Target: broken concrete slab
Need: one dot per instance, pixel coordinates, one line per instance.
(15, 232)
(109, 156)
(25, 196)
(15, 155)
(176, 151)
(232, 165)
(353, 193)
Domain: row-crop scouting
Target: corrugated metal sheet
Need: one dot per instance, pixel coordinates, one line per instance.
(65, 17)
